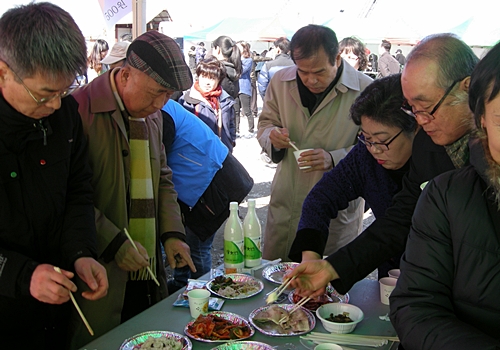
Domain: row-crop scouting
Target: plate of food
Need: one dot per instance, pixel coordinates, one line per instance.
(244, 345)
(219, 326)
(235, 286)
(157, 339)
(266, 320)
(330, 296)
(275, 273)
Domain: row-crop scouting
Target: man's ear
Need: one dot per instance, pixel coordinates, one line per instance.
(4, 68)
(464, 84)
(338, 60)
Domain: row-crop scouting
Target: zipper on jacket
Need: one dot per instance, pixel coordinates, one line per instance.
(42, 129)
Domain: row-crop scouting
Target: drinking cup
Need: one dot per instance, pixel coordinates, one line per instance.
(198, 302)
(387, 285)
(297, 156)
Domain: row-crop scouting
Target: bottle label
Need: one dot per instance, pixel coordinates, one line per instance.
(232, 252)
(252, 248)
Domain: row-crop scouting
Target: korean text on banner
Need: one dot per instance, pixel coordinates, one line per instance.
(114, 10)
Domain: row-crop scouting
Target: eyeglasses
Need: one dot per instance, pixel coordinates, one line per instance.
(44, 100)
(381, 146)
(428, 115)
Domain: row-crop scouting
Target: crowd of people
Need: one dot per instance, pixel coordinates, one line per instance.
(112, 180)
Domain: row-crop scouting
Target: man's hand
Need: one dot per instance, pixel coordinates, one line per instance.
(128, 259)
(178, 254)
(318, 159)
(279, 138)
(312, 277)
(94, 275)
(49, 286)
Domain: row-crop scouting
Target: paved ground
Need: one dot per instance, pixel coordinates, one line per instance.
(248, 152)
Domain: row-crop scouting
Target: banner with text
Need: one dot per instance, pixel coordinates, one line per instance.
(114, 10)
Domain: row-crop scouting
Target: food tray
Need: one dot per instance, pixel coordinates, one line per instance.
(135, 341)
(244, 345)
(239, 277)
(272, 329)
(275, 273)
(233, 318)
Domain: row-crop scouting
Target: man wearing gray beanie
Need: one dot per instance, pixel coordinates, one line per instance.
(134, 194)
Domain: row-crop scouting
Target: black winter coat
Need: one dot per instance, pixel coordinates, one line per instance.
(447, 294)
(46, 210)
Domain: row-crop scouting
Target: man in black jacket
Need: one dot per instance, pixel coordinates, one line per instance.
(435, 84)
(46, 210)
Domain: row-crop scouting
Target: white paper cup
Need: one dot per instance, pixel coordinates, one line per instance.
(327, 346)
(297, 156)
(394, 273)
(198, 302)
(387, 285)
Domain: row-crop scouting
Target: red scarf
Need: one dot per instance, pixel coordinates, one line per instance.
(211, 96)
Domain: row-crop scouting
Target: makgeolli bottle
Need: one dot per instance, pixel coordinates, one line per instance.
(253, 234)
(233, 241)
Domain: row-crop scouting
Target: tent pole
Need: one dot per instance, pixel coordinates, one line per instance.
(139, 18)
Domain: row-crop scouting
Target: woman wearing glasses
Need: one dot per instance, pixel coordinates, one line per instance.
(373, 169)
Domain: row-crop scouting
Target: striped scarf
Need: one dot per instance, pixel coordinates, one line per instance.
(142, 218)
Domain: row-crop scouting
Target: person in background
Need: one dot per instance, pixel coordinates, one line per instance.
(258, 62)
(373, 169)
(133, 187)
(387, 64)
(225, 50)
(210, 102)
(353, 51)
(200, 52)
(117, 55)
(447, 294)
(46, 210)
(192, 59)
(245, 95)
(281, 61)
(400, 57)
(95, 67)
(308, 104)
(207, 177)
(435, 84)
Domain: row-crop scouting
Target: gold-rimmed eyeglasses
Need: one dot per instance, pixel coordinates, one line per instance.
(44, 100)
(427, 115)
(381, 146)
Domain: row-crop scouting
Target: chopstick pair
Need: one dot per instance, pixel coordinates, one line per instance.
(295, 308)
(77, 307)
(137, 249)
(276, 292)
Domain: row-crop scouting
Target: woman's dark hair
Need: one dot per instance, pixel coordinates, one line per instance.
(95, 56)
(246, 49)
(211, 67)
(484, 83)
(381, 102)
(309, 39)
(230, 51)
(354, 45)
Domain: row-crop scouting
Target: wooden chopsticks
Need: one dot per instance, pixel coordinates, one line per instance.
(276, 292)
(77, 307)
(295, 308)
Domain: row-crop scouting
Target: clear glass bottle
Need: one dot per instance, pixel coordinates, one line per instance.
(233, 241)
(253, 235)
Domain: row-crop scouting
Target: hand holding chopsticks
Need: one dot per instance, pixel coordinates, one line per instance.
(77, 307)
(137, 249)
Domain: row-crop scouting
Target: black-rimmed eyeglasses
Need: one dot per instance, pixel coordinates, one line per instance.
(427, 115)
(381, 146)
(44, 100)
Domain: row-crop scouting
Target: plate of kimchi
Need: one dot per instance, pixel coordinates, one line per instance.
(219, 326)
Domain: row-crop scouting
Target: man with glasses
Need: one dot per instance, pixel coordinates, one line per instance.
(435, 83)
(46, 210)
